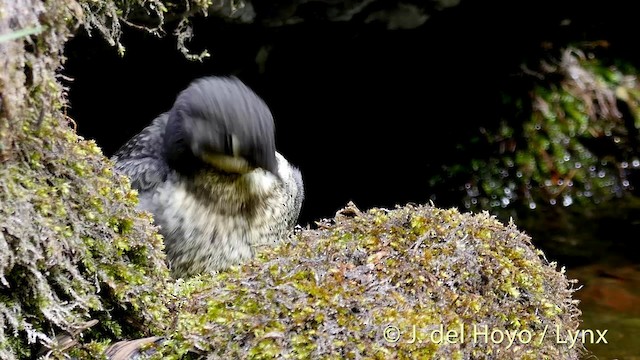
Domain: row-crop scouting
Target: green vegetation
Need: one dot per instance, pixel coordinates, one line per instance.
(73, 248)
(571, 139)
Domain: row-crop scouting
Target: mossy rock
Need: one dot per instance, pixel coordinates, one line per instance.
(356, 287)
(74, 252)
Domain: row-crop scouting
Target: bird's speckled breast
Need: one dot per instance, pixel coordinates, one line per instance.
(213, 220)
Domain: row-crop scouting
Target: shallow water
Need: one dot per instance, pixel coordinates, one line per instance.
(610, 300)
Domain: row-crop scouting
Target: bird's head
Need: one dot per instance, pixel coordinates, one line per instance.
(221, 122)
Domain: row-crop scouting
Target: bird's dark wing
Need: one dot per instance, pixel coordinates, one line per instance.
(141, 158)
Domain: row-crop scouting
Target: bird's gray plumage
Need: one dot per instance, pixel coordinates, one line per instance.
(209, 173)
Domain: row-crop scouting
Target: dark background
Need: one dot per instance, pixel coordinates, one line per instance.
(368, 114)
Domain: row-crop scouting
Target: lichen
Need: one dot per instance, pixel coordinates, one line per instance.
(333, 292)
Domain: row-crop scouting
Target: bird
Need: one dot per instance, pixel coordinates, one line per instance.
(208, 172)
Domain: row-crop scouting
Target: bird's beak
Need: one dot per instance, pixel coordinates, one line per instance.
(238, 165)
(226, 163)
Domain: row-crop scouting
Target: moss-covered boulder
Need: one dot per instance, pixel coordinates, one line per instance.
(72, 248)
(385, 284)
(79, 266)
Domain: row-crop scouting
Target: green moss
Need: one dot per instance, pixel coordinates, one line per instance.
(99, 257)
(332, 292)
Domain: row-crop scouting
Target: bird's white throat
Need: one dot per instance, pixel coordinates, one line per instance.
(260, 182)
